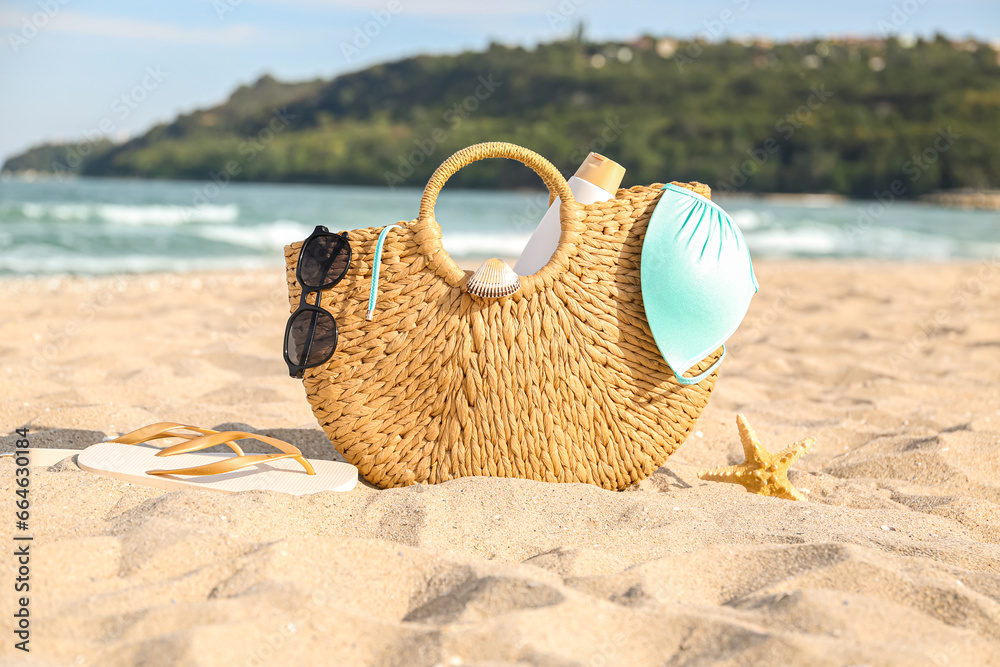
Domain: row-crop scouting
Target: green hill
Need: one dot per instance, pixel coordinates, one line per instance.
(854, 117)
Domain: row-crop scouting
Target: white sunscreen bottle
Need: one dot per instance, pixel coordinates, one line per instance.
(597, 179)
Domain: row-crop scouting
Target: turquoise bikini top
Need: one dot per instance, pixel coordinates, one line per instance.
(697, 279)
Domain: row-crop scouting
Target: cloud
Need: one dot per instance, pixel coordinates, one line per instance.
(76, 23)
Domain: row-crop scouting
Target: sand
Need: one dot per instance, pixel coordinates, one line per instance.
(893, 560)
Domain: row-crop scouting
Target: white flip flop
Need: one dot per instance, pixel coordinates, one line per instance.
(131, 459)
(40, 456)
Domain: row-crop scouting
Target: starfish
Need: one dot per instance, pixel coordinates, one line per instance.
(763, 473)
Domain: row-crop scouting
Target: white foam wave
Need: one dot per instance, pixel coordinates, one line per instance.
(462, 245)
(818, 239)
(33, 210)
(159, 214)
(57, 211)
(745, 219)
(277, 234)
(800, 241)
(60, 264)
(133, 215)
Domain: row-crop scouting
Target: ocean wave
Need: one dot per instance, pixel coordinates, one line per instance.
(278, 234)
(818, 240)
(159, 214)
(56, 211)
(133, 214)
(746, 219)
(275, 235)
(465, 245)
(67, 264)
(825, 240)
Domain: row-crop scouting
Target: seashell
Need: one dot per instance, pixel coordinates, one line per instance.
(493, 280)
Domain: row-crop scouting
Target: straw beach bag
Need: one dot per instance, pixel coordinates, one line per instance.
(560, 381)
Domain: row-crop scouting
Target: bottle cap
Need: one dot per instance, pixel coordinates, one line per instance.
(602, 172)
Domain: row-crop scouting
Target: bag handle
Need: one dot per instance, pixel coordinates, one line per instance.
(571, 215)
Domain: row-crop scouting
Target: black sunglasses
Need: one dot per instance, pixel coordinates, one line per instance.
(311, 332)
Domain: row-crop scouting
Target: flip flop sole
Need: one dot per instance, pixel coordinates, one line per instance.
(129, 463)
(40, 456)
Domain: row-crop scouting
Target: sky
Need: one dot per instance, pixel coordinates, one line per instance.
(75, 68)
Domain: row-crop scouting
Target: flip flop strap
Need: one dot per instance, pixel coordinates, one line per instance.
(159, 430)
(225, 437)
(229, 465)
(162, 430)
(203, 438)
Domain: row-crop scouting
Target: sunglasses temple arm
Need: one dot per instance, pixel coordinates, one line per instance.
(307, 348)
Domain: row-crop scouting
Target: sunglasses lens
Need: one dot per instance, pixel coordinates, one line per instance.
(312, 338)
(324, 260)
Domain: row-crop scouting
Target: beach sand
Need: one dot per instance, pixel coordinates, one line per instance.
(893, 560)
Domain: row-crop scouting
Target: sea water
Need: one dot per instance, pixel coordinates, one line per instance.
(96, 226)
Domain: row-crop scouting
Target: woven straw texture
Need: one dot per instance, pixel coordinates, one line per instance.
(561, 381)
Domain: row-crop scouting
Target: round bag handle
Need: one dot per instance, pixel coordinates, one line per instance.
(428, 231)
